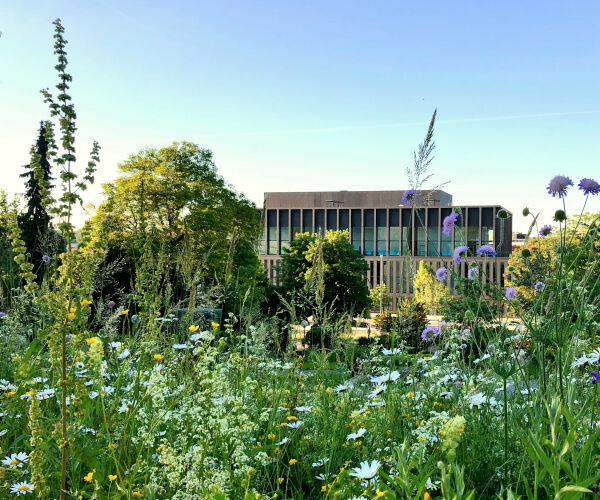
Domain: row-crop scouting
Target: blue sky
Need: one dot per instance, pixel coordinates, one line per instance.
(295, 96)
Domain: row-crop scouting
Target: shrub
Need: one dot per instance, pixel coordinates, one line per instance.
(412, 319)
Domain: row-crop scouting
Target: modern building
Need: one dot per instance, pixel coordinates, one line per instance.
(381, 229)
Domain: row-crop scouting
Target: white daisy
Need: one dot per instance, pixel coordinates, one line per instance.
(430, 485)
(303, 409)
(343, 387)
(295, 425)
(377, 390)
(124, 354)
(320, 462)
(366, 470)
(45, 394)
(391, 352)
(283, 441)
(21, 488)
(16, 460)
(356, 435)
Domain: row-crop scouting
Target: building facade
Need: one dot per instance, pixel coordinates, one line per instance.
(382, 229)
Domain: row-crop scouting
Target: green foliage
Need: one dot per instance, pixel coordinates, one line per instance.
(172, 200)
(379, 297)
(384, 321)
(412, 319)
(428, 291)
(36, 230)
(343, 271)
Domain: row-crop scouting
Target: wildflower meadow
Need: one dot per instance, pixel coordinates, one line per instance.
(146, 354)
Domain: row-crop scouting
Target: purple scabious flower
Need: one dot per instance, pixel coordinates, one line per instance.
(589, 186)
(539, 286)
(458, 251)
(46, 258)
(449, 222)
(595, 378)
(510, 293)
(3, 314)
(558, 186)
(473, 273)
(429, 330)
(545, 231)
(441, 274)
(486, 250)
(409, 197)
(111, 304)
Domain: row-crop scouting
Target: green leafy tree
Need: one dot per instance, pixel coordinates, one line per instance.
(344, 271)
(173, 200)
(428, 290)
(379, 296)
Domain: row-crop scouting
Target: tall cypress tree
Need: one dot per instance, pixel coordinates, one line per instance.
(35, 222)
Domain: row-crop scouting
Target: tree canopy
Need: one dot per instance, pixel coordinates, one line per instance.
(344, 270)
(173, 200)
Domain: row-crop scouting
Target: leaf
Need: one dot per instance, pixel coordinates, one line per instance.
(571, 488)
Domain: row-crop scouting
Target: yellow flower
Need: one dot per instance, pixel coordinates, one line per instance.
(71, 316)
(291, 417)
(125, 311)
(137, 494)
(293, 461)
(283, 424)
(194, 328)
(72, 310)
(88, 477)
(111, 446)
(158, 357)
(575, 434)
(111, 477)
(271, 435)
(426, 496)
(380, 493)
(91, 340)
(86, 302)
(280, 480)
(410, 395)
(323, 488)
(11, 393)
(214, 325)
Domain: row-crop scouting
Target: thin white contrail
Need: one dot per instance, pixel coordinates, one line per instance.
(394, 124)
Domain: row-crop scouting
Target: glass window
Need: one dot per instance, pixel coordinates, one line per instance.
(473, 229)
(284, 230)
(331, 219)
(307, 222)
(356, 234)
(296, 229)
(320, 221)
(344, 216)
(420, 231)
(394, 241)
(420, 241)
(487, 226)
(369, 231)
(406, 245)
(433, 230)
(262, 246)
(272, 232)
(446, 240)
(381, 219)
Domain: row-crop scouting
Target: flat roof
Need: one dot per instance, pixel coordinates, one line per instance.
(354, 199)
